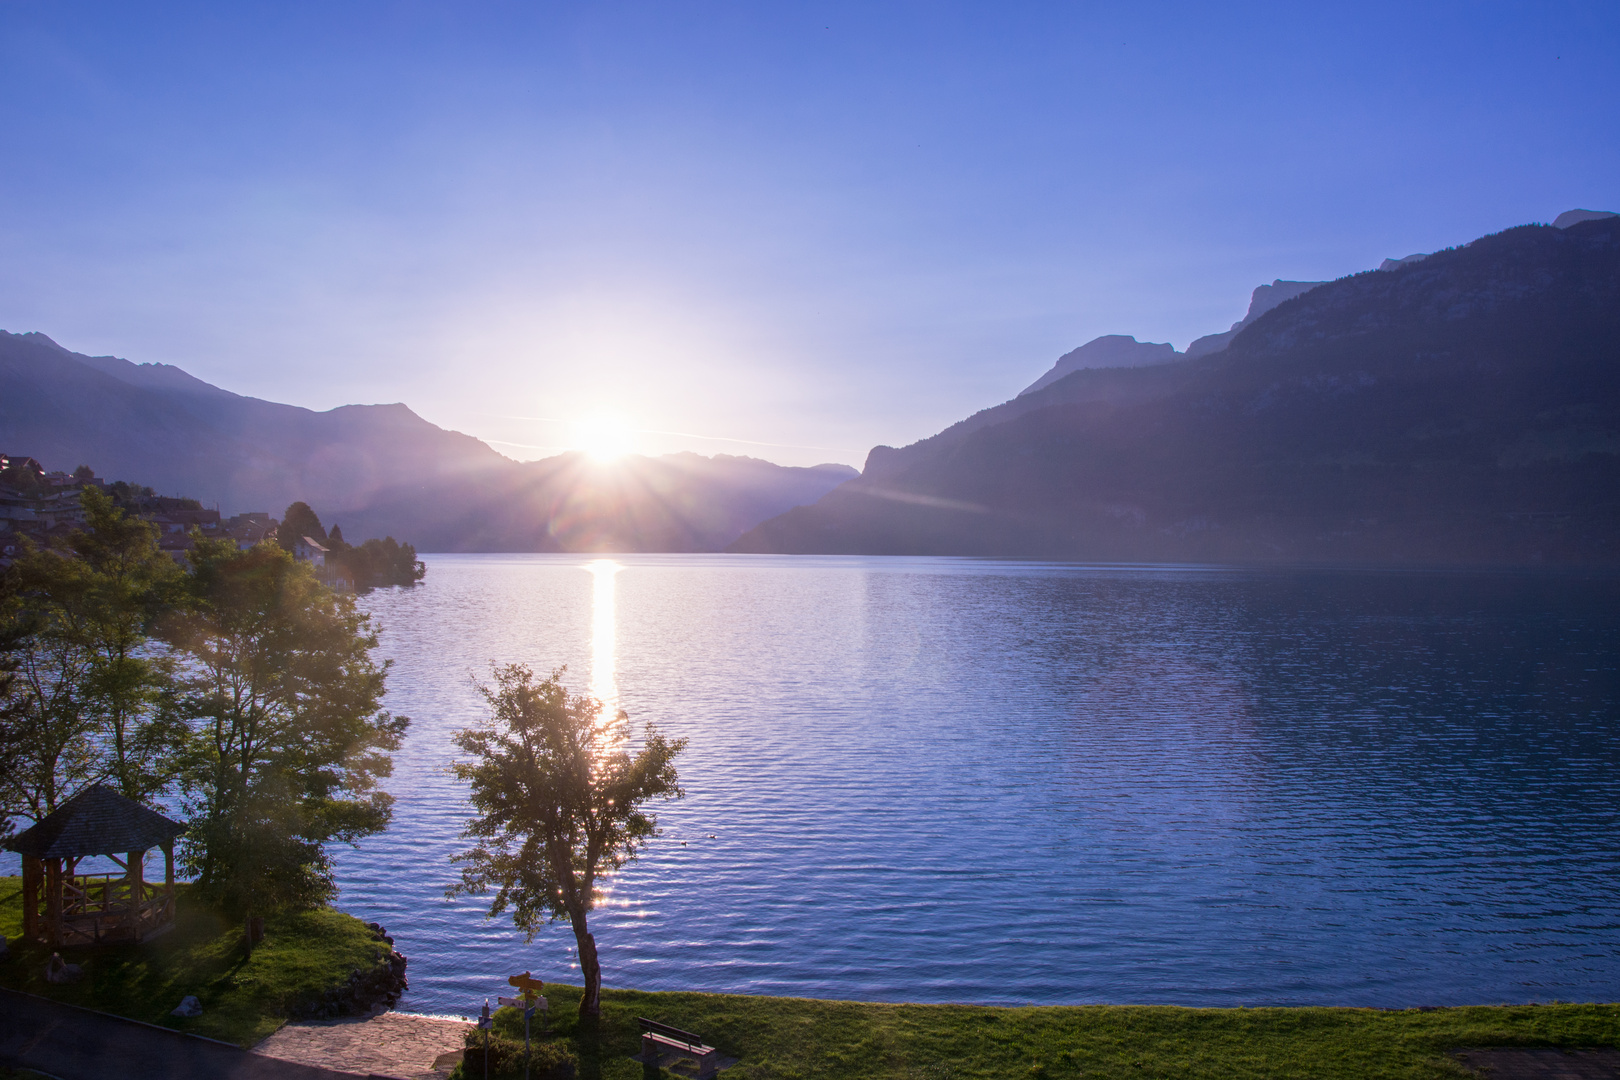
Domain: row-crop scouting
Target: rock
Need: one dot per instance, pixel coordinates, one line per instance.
(1575, 217)
(1395, 264)
(189, 1006)
(60, 971)
(1110, 350)
(363, 993)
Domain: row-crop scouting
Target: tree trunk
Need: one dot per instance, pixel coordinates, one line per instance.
(590, 1002)
(254, 925)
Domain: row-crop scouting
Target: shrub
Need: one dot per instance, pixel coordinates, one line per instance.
(548, 1060)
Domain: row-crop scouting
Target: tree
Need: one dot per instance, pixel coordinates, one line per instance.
(86, 689)
(127, 582)
(14, 742)
(559, 801)
(49, 726)
(298, 522)
(288, 735)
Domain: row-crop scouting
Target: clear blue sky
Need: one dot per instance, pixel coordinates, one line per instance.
(815, 225)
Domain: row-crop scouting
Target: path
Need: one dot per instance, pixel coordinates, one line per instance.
(81, 1044)
(392, 1044)
(1544, 1063)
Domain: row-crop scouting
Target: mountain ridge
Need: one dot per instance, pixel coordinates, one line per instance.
(378, 469)
(1463, 408)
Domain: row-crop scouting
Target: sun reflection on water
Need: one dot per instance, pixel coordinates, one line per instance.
(604, 687)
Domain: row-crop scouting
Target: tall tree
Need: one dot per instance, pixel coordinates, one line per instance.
(289, 737)
(86, 689)
(127, 582)
(298, 522)
(14, 743)
(50, 726)
(560, 804)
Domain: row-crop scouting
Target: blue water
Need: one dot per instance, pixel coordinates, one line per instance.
(962, 780)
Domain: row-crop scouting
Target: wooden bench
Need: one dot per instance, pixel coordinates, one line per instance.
(657, 1039)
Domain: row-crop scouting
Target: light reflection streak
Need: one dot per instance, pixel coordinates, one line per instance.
(604, 639)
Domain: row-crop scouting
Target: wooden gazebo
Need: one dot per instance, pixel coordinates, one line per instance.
(64, 907)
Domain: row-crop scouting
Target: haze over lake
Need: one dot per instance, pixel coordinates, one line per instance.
(989, 781)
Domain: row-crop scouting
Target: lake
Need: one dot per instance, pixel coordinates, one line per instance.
(1005, 782)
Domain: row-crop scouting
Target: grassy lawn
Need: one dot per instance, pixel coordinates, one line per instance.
(794, 1038)
(243, 999)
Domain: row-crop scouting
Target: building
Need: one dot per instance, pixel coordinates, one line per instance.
(311, 551)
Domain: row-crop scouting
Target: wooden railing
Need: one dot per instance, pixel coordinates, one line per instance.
(96, 907)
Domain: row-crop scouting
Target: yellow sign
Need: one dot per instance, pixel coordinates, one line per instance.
(529, 985)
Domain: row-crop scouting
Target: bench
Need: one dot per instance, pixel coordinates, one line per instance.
(657, 1039)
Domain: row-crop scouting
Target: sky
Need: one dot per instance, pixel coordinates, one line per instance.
(789, 230)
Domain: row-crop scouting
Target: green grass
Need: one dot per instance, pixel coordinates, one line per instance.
(243, 999)
(800, 1039)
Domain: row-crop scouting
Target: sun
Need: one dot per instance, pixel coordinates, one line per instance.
(604, 437)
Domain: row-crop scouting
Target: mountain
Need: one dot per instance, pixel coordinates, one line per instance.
(1575, 217)
(1461, 409)
(675, 503)
(159, 426)
(1120, 351)
(1110, 350)
(1263, 299)
(377, 469)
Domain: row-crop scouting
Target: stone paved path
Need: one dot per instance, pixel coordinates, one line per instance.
(1544, 1063)
(393, 1045)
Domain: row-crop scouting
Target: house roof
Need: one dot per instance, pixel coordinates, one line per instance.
(315, 545)
(97, 821)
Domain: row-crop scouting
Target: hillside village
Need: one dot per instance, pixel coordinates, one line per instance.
(43, 507)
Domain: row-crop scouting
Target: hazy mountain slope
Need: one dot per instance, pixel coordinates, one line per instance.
(675, 503)
(1461, 409)
(157, 425)
(376, 469)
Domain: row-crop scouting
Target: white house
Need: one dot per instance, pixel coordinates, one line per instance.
(311, 551)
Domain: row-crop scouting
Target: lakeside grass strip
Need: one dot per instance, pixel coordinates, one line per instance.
(243, 999)
(804, 1039)
(800, 1038)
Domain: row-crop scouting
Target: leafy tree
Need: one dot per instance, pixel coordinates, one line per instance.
(377, 563)
(14, 744)
(129, 496)
(86, 686)
(49, 726)
(559, 801)
(298, 522)
(123, 582)
(289, 738)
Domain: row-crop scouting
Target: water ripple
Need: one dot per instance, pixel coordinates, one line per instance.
(955, 780)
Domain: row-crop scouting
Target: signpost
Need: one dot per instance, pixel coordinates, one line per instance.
(483, 1025)
(530, 1000)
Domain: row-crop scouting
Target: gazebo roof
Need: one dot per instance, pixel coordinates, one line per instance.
(97, 821)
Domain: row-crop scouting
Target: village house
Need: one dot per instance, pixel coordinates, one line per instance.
(311, 551)
(251, 528)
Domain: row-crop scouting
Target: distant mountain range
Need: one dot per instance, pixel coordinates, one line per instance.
(1460, 407)
(376, 469)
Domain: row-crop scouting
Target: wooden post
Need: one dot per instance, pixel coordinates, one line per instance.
(53, 901)
(168, 879)
(33, 871)
(132, 875)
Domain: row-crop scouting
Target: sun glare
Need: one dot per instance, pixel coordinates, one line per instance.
(604, 437)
